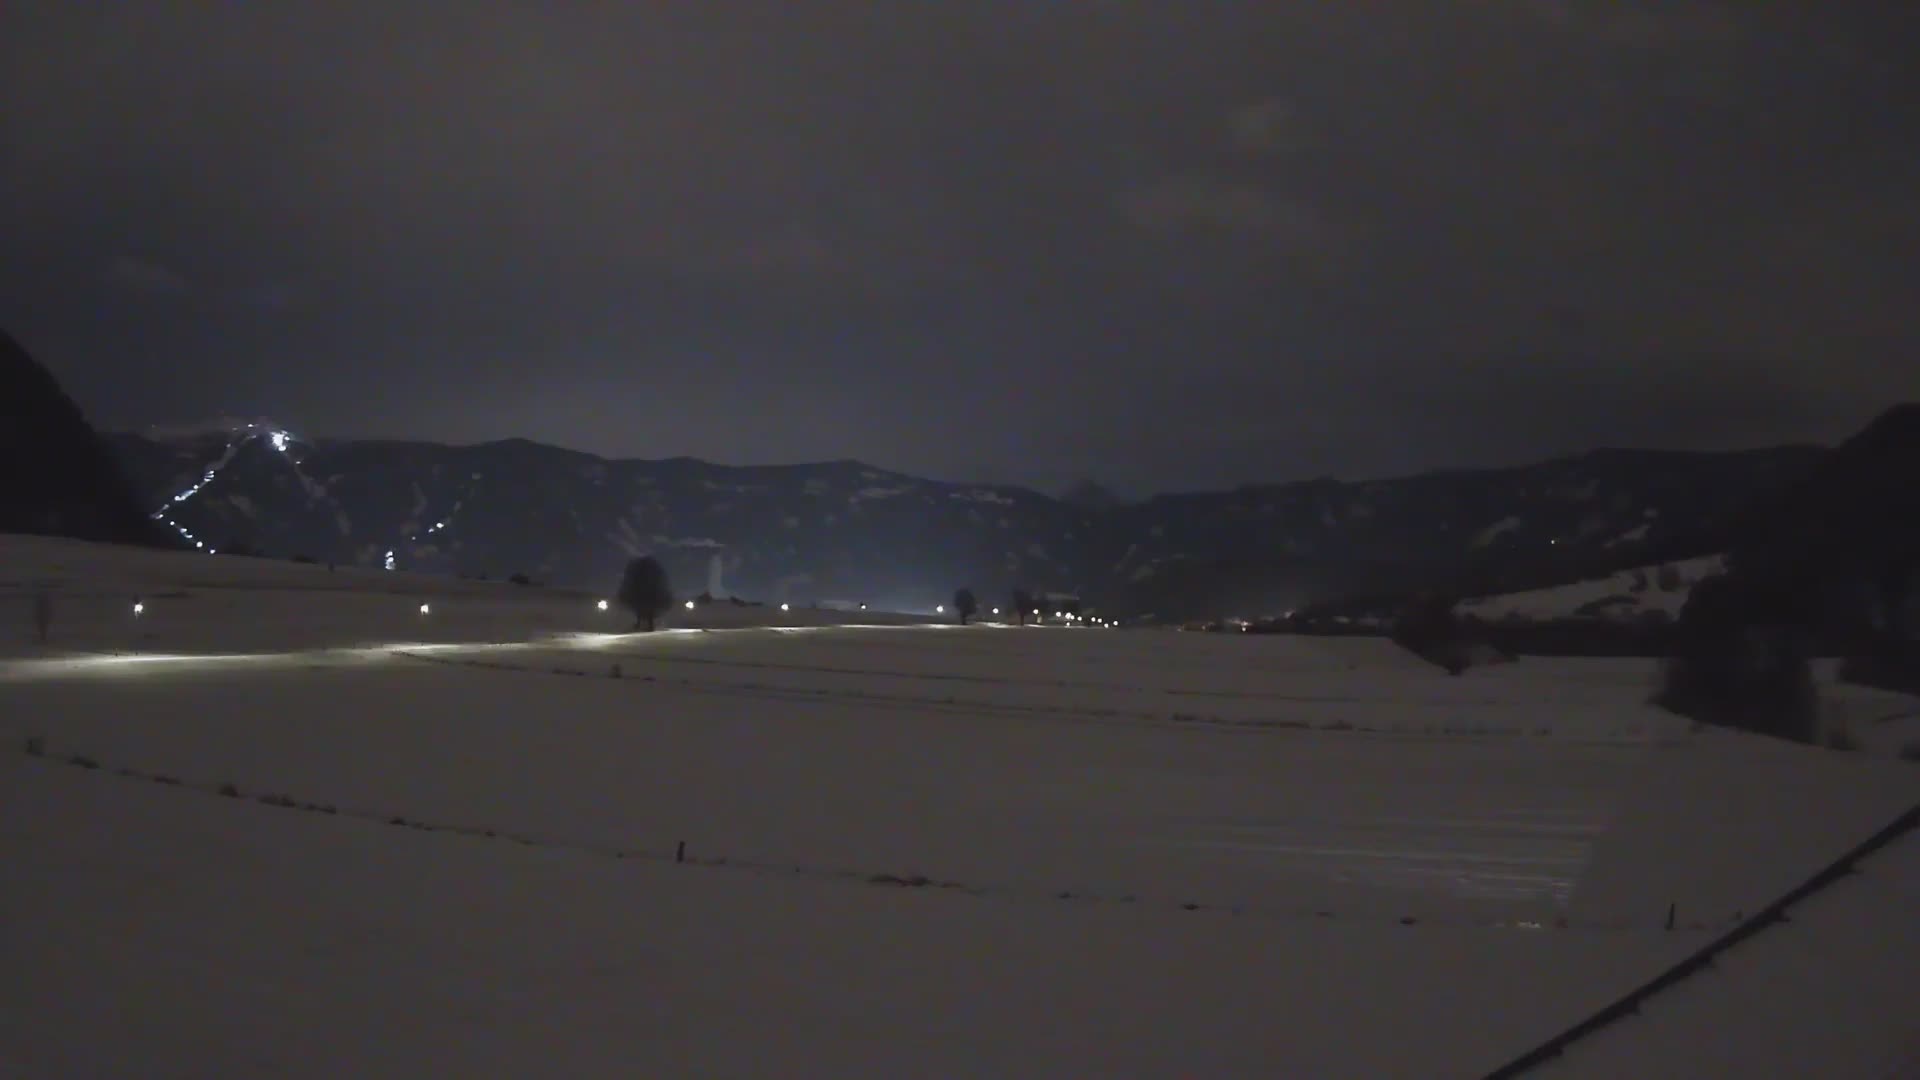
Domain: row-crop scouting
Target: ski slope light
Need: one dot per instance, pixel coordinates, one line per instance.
(280, 441)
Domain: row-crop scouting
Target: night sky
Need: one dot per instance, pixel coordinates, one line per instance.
(1167, 245)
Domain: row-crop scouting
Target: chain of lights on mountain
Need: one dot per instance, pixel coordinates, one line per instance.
(236, 441)
(438, 526)
(282, 442)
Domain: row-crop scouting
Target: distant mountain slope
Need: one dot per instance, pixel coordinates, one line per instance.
(1641, 594)
(848, 531)
(57, 477)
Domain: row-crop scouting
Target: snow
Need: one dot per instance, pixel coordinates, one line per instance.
(1172, 854)
(1631, 536)
(882, 492)
(686, 542)
(1794, 1000)
(1495, 531)
(1564, 601)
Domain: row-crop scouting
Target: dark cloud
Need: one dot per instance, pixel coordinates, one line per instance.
(1013, 240)
(139, 275)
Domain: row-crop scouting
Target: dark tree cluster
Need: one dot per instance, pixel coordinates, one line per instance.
(1741, 657)
(1429, 629)
(644, 590)
(965, 605)
(1022, 605)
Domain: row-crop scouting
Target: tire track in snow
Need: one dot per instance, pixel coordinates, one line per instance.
(1631, 735)
(679, 854)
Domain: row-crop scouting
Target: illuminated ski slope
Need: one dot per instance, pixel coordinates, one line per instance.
(240, 435)
(237, 439)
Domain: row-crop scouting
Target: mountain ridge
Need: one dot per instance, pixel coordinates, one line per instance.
(846, 529)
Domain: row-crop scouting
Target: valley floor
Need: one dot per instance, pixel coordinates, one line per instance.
(452, 844)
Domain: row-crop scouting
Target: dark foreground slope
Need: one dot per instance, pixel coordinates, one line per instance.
(57, 477)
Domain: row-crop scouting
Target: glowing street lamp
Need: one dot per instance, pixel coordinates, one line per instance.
(138, 609)
(689, 605)
(939, 609)
(602, 605)
(786, 607)
(425, 608)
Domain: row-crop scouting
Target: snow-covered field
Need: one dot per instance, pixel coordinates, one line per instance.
(1627, 595)
(909, 849)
